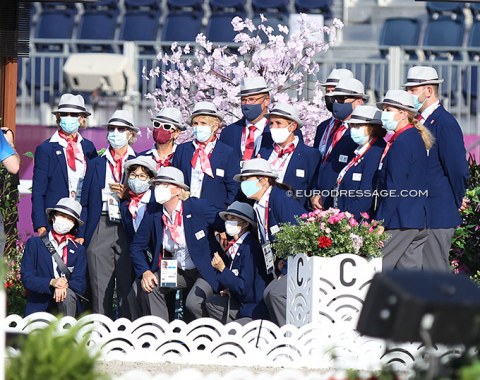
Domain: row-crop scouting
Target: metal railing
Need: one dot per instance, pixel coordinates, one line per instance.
(41, 79)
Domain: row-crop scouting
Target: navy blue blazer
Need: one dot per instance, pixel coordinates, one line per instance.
(404, 169)
(232, 136)
(91, 200)
(200, 219)
(321, 128)
(37, 271)
(329, 169)
(50, 178)
(302, 170)
(221, 190)
(448, 173)
(127, 219)
(247, 279)
(365, 174)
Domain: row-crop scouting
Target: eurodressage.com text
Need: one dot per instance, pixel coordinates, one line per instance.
(359, 193)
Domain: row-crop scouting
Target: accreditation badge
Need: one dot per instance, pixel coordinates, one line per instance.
(168, 273)
(269, 257)
(113, 206)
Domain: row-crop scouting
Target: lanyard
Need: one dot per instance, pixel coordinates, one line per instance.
(263, 228)
(391, 141)
(336, 138)
(355, 161)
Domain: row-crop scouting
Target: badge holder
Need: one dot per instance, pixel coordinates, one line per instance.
(168, 273)
(113, 205)
(269, 257)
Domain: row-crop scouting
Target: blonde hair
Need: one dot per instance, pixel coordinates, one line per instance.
(183, 195)
(212, 120)
(426, 135)
(132, 140)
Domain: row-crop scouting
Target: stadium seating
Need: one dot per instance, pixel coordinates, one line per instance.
(315, 6)
(175, 28)
(219, 27)
(443, 32)
(44, 77)
(54, 24)
(400, 31)
(435, 8)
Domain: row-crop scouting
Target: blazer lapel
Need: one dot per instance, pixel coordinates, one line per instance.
(62, 161)
(101, 171)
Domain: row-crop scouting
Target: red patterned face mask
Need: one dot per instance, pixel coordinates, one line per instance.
(161, 136)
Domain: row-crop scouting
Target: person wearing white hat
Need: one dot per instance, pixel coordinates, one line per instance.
(340, 148)
(402, 183)
(331, 82)
(60, 162)
(447, 167)
(360, 175)
(296, 163)
(274, 204)
(103, 234)
(178, 231)
(208, 164)
(54, 266)
(241, 270)
(247, 135)
(167, 126)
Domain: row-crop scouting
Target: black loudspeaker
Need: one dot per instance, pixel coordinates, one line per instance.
(400, 303)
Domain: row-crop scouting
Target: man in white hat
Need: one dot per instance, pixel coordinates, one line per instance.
(247, 135)
(103, 233)
(349, 93)
(61, 161)
(54, 267)
(447, 167)
(167, 126)
(177, 230)
(296, 163)
(208, 164)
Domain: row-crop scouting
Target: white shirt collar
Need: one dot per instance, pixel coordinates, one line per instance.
(208, 148)
(108, 155)
(265, 197)
(177, 209)
(429, 110)
(154, 151)
(56, 138)
(260, 125)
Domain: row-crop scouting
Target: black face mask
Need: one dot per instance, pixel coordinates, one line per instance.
(329, 103)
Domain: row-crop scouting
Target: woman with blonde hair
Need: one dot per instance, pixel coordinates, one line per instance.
(402, 183)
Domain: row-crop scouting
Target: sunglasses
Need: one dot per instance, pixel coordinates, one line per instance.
(65, 114)
(112, 128)
(167, 127)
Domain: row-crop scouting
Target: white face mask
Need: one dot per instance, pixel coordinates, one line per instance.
(280, 135)
(232, 228)
(62, 225)
(117, 139)
(202, 133)
(162, 194)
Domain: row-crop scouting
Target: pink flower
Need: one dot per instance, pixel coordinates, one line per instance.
(353, 222)
(322, 225)
(303, 216)
(365, 224)
(365, 215)
(332, 220)
(328, 230)
(371, 229)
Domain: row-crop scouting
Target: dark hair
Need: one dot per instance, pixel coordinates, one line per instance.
(377, 131)
(126, 189)
(52, 213)
(282, 186)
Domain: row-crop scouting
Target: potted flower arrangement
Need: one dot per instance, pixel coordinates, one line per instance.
(332, 258)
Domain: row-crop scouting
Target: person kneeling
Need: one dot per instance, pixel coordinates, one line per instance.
(242, 274)
(54, 266)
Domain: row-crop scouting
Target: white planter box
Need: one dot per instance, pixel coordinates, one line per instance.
(333, 289)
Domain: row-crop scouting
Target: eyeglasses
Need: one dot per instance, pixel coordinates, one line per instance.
(252, 100)
(141, 176)
(65, 114)
(167, 127)
(112, 128)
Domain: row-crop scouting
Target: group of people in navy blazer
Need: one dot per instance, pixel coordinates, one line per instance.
(201, 216)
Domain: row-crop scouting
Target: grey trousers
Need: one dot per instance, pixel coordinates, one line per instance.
(109, 264)
(275, 296)
(222, 308)
(404, 249)
(68, 306)
(3, 237)
(436, 251)
(155, 303)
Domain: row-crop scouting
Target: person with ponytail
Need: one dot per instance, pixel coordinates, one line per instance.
(402, 183)
(167, 126)
(60, 163)
(109, 264)
(54, 266)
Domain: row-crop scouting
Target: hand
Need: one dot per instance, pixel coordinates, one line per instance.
(60, 295)
(464, 205)
(116, 188)
(149, 281)
(80, 240)
(217, 262)
(9, 136)
(225, 293)
(41, 231)
(59, 283)
(222, 239)
(316, 201)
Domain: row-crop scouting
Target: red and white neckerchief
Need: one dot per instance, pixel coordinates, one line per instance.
(332, 128)
(174, 227)
(336, 138)
(249, 142)
(135, 200)
(234, 245)
(280, 156)
(60, 239)
(117, 168)
(391, 141)
(72, 150)
(167, 161)
(427, 112)
(361, 152)
(200, 153)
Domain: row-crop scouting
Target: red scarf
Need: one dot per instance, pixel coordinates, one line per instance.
(134, 202)
(249, 143)
(167, 161)
(60, 239)
(72, 149)
(117, 168)
(204, 159)
(173, 227)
